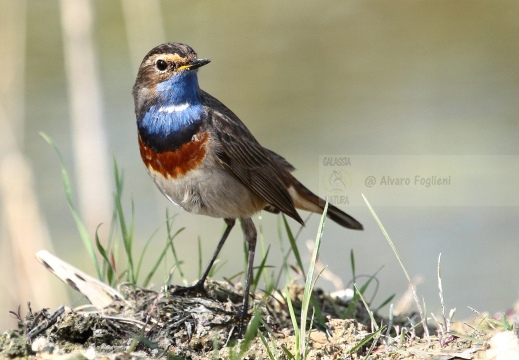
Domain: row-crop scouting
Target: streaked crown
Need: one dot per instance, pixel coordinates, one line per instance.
(165, 60)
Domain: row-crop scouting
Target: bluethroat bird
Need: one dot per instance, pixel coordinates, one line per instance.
(205, 160)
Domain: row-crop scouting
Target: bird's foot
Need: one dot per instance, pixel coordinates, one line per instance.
(243, 317)
(197, 289)
(239, 320)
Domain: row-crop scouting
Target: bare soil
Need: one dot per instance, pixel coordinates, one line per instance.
(150, 324)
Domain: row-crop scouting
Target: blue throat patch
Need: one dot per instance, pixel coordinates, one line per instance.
(176, 114)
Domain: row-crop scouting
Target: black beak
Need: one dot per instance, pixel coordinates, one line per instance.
(198, 63)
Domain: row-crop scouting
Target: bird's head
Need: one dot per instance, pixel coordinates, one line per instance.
(168, 71)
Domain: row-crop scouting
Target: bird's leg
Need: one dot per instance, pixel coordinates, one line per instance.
(249, 230)
(198, 288)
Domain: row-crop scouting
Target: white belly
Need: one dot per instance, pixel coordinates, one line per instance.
(209, 191)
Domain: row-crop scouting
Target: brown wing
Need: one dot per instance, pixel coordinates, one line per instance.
(244, 157)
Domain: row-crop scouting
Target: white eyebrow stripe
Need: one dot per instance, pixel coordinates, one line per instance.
(174, 108)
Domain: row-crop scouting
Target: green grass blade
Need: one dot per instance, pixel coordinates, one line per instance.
(293, 317)
(364, 287)
(318, 313)
(357, 293)
(364, 341)
(353, 268)
(293, 245)
(83, 233)
(261, 268)
(393, 247)
(145, 249)
(217, 266)
(268, 280)
(385, 302)
(287, 353)
(108, 270)
(162, 254)
(370, 313)
(267, 347)
(505, 323)
(178, 263)
(251, 331)
(285, 267)
(126, 232)
(199, 257)
(310, 283)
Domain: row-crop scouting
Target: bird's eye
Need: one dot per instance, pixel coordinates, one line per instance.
(161, 65)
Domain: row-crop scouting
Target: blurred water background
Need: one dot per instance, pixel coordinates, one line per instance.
(345, 78)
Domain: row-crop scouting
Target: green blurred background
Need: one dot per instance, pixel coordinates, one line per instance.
(308, 79)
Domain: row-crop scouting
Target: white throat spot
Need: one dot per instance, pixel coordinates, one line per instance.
(174, 108)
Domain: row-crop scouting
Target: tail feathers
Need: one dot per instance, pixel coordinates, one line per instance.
(341, 218)
(306, 200)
